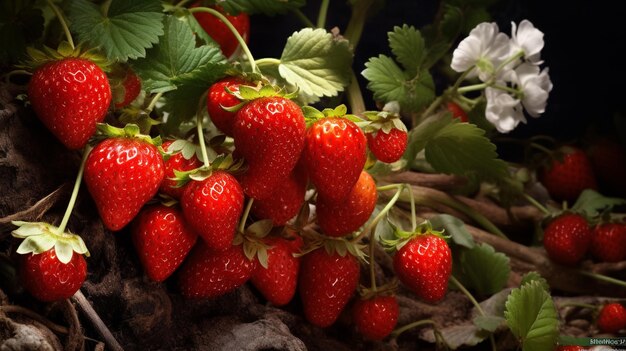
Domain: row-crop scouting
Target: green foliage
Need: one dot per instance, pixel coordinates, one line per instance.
(442, 34)
(412, 85)
(590, 203)
(317, 63)
(266, 7)
(455, 228)
(482, 269)
(532, 317)
(20, 25)
(125, 31)
(534, 276)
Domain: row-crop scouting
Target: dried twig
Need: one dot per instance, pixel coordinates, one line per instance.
(34, 316)
(96, 321)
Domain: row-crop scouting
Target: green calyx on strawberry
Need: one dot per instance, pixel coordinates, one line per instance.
(247, 93)
(38, 58)
(423, 261)
(223, 162)
(387, 136)
(130, 131)
(252, 241)
(313, 115)
(53, 267)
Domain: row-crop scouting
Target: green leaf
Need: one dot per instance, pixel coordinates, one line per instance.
(407, 45)
(389, 83)
(532, 318)
(316, 63)
(534, 276)
(421, 135)
(266, 7)
(455, 228)
(482, 269)
(456, 336)
(126, 31)
(488, 323)
(590, 203)
(20, 25)
(494, 305)
(176, 61)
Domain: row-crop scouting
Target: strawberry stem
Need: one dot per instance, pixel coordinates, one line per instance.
(303, 18)
(410, 326)
(473, 87)
(205, 155)
(232, 28)
(153, 103)
(321, 17)
(244, 217)
(603, 278)
(355, 96)
(371, 259)
(370, 227)
(480, 310)
(407, 187)
(77, 182)
(62, 21)
(536, 203)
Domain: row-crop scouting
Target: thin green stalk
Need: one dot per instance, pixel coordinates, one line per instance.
(303, 18)
(244, 217)
(431, 108)
(66, 29)
(379, 216)
(507, 89)
(321, 17)
(77, 182)
(354, 30)
(461, 78)
(205, 155)
(233, 30)
(410, 326)
(413, 215)
(182, 3)
(603, 278)
(577, 304)
(371, 259)
(517, 55)
(474, 87)
(355, 97)
(267, 62)
(153, 103)
(536, 203)
(480, 310)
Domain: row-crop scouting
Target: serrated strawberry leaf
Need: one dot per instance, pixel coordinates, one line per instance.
(455, 228)
(489, 323)
(176, 60)
(20, 25)
(482, 269)
(266, 7)
(591, 203)
(408, 47)
(534, 276)
(532, 317)
(316, 63)
(124, 32)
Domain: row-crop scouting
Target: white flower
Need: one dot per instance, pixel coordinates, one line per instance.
(535, 87)
(528, 39)
(485, 48)
(503, 110)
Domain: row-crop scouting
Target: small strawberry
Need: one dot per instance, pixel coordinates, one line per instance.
(70, 96)
(567, 238)
(342, 218)
(388, 147)
(608, 242)
(162, 240)
(285, 201)
(179, 162)
(375, 318)
(122, 174)
(218, 97)
(269, 135)
(209, 274)
(612, 318)
(212, 208)
(327, 282)
(608, 159)
(334, 155)
(457, 111)
(565, 179)
(278, 281)
(52, 265)
(219, 32)
(132, 88)
(424, 265)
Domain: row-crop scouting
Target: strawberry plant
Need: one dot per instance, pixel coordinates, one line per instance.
(323, 197)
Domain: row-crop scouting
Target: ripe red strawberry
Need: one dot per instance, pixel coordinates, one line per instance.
(424, 265)
(217, 30)
(327, 282)
(209, 274)
(70, 97)
(566, 179)
(132, 88)
(162, 240)
(176, 162)
(388, 147)
(285, 201)
(269, 135)
(278, 281)
(212, 208)
(457, 111)
(218, 98)
(334, 155)
(375, 318)
(570, 348)
(342, 218)
(608, 242)
(612, 318)
(48, 279)
(608, 159)
(567, 238)
(122, 174)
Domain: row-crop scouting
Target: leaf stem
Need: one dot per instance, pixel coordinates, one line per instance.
(370, 227)
(480, 310)
(354, 29)
(233, 30)
(431, 108)
(410, 326)
(474, 87)
(303, 18)
(77, 182)
(205, 155)
(153, 103)
(321, 17)
(244, 217)
(105, 7)
(536, 203)
(355, 96)
(267, 61)
(603, 278)
(59, 15)
(371, 258)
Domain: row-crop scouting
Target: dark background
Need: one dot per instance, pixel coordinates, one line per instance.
(584, 42)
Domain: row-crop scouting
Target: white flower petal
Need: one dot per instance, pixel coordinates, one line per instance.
(535, 86)
(529, 39)
(503, 111)
(484, 45)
